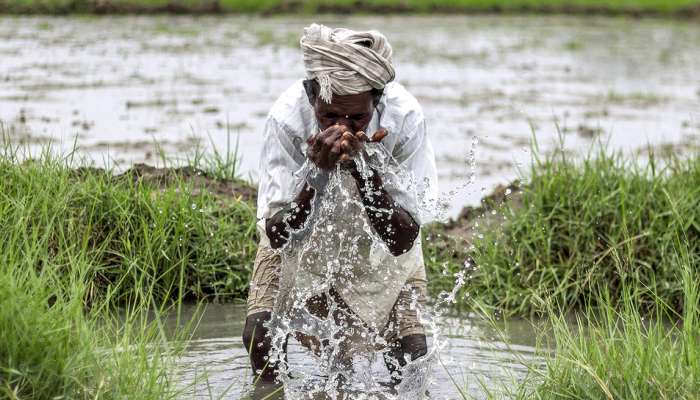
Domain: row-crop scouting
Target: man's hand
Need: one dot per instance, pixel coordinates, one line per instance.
(325, 147)
(337, 143)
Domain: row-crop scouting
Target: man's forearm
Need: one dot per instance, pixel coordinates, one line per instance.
(395, 226)
(292, 217)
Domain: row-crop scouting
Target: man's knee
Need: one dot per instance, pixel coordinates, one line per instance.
(254, 331)
(406, 349)
(415, 346)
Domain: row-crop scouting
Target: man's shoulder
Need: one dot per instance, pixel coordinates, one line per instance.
(400, 110)
(396, 96)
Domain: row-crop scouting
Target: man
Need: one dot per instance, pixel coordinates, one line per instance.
(371, 190)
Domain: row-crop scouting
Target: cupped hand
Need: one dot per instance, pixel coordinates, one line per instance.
(327, 147)
(338, 143)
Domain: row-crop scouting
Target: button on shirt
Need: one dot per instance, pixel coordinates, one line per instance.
(338, 246)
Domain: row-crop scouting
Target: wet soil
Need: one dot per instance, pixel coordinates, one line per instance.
(484, 216)
(196, 179)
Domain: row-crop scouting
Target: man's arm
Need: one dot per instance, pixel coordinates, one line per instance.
(397, 228)
(324, 150)
(292, 217)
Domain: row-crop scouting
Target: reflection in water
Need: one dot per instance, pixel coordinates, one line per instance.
(216, 363)
(120, 82)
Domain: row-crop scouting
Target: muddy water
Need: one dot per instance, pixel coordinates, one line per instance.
(117, 84)
(215, 363)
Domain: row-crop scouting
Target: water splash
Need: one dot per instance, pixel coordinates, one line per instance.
(335, 274)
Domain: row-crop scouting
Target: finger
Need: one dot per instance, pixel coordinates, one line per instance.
(348, 142)
(326, 156)
(357, 146)
(311, 144)
(325, 141)
(379, 135)
(332, 130)
(361, 136)
(311, 139)
(346, 146)
(314, 150)
(337, 148)
(330, 142)
(342, 126)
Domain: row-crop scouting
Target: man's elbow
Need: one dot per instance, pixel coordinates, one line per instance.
(276, 233)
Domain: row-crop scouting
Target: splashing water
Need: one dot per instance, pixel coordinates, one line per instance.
(336, 274)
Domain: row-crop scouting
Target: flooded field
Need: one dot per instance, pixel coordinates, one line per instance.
(217, 363)
(114, 85)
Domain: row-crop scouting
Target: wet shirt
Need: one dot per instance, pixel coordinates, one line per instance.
(338, 246)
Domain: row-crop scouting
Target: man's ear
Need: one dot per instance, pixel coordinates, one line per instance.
(311, 88)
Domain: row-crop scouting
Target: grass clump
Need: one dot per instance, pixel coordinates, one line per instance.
(616, 351)
(621, 354)
(90, 262)
(578, 226)
(52, 347)
(162, 232)
(613, 244)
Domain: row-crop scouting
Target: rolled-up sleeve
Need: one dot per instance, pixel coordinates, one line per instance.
(279, 159)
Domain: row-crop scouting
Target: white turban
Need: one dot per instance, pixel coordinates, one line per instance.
(346, 62)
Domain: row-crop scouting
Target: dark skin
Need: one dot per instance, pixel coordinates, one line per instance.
(338, 121)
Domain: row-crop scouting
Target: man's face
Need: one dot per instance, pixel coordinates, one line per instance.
(353, 111)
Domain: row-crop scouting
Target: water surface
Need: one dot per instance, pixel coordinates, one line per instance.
(215, 362)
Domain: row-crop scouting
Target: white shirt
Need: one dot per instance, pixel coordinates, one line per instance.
(338, 246)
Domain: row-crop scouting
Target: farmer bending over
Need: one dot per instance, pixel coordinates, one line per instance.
(342, 112)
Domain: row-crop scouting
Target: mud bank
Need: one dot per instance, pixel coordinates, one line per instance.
(462, 227)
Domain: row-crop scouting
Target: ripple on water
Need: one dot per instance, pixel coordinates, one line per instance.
(215, 362)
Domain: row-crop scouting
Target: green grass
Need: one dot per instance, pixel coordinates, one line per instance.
(614, 245)
(581, 225)
(601, 220)
(89, 264)
(679, 7)
(179, 240)
(614, 351)
(615, 241)
(622, 354)
(53, 348)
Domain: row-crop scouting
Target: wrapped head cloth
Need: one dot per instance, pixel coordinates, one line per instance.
(345, 61)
